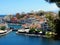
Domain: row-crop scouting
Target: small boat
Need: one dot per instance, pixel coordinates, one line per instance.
(2, 32)
(25, 30)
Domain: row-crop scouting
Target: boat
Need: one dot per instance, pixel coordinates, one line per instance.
(4, 32)
(24, 30)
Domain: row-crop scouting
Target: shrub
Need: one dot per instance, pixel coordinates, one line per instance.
(3, 28)
(32, 30)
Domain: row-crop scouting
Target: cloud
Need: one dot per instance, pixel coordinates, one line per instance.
(53, 7)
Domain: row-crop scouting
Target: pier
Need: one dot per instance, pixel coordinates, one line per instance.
(5, 32)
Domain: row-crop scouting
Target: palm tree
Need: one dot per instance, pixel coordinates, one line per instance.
(57, 21)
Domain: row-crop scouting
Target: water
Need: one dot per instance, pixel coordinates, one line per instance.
(2, 16)
(14, 39)
(14, 26)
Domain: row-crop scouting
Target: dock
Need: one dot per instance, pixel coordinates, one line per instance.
(5, 32)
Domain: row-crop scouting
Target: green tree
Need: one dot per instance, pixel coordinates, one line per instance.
(40, 12)
(57, 21)
(3, 28)
(32, 30)
(17, 15)
(55, 1)
(50, 18)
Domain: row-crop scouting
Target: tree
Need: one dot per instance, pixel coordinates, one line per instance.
(57, 21)
(17, 15)
(54, 1)
(40, 12)
(32, 30)
(3, 28)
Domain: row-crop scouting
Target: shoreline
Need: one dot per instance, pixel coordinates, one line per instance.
(6, 32)
(27, 34)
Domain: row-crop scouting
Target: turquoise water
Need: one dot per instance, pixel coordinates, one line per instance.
(15, 26)
(14, 39)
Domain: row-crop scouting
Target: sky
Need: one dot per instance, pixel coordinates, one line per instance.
(18, 6)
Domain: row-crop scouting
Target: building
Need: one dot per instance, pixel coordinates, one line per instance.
(14, 20)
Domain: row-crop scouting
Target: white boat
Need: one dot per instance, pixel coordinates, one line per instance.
(1, 31)
(26, 30)
(4, 32)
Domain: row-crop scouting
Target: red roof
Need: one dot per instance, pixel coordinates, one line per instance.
(14, 19)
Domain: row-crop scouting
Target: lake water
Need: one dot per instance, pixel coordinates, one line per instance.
(14, 39)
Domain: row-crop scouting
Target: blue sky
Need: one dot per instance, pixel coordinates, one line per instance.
(15, 6)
